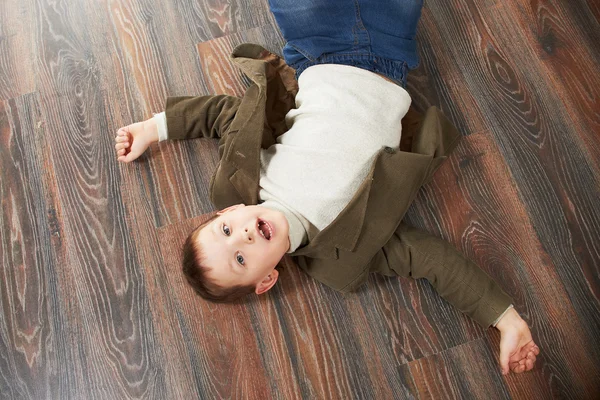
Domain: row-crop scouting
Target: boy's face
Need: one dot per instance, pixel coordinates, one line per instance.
(244, 244)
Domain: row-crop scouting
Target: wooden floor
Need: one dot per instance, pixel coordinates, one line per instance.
(93, 304)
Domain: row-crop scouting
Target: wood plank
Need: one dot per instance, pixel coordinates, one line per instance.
(460, 372)
(24, 251)
(228, 17)
(438, 80)
(568, 63)
(108, 289)
(35, 318)
(555, 162)
(16, 49)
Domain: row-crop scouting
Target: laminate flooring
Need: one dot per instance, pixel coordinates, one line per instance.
(93, 303)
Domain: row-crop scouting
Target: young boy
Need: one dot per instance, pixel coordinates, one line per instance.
(316, 168)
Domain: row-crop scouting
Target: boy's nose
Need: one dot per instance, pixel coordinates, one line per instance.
(248, 235)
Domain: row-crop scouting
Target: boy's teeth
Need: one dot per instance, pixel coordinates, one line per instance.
(263, 225)
(270, 232)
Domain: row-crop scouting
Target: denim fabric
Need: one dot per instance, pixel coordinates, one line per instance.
(377, 35)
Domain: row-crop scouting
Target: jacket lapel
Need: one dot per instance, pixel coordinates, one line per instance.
(270, 75)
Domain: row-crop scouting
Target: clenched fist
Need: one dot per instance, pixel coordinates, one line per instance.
(133, 140)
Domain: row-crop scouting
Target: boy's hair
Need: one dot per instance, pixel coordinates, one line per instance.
(196, 272)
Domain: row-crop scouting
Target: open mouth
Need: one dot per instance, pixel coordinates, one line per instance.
(265, 229)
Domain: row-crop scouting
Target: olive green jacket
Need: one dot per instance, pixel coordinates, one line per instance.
(368, 235)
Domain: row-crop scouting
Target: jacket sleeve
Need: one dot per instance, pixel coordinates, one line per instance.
(200, 116)
(417, 254)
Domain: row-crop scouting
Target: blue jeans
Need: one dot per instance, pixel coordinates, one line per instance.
(376, 35)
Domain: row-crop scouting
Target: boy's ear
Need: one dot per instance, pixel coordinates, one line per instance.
(230, 208)
(267, 283)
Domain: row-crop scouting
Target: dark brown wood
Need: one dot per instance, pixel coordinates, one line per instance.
(28, 275)
(93, 302)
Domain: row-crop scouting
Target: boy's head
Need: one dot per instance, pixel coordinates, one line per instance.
(235, 253)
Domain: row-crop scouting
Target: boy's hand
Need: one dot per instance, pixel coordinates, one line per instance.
(517, 349)
(133, 140)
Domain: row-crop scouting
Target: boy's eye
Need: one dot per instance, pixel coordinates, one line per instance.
(226, 230)
(240, 258)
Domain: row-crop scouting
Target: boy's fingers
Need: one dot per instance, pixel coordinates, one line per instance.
(529, 364)
(504, 362)
(519, 369)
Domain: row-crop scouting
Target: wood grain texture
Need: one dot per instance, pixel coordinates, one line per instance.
(573, 63)
(17, 49)
(227, 17)
(222, 77)
(93, 302)
(28, 277)
(569, 158)
(438, 79)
